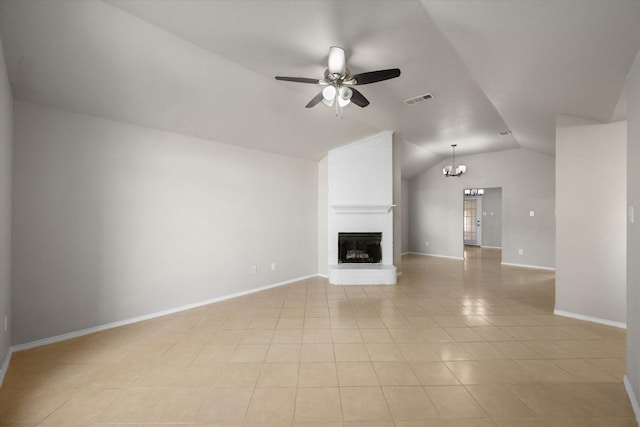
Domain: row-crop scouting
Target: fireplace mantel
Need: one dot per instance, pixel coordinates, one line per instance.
(361, 209)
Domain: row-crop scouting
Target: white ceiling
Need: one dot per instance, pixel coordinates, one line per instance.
(206, 68)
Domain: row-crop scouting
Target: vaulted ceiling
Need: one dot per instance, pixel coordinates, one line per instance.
(206, 68)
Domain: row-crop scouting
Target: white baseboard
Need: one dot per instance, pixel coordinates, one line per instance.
(590, 319)
(5, 366)
(491, 247)
(76, 334)
(437, 256)
(537, 267)
(632, 398)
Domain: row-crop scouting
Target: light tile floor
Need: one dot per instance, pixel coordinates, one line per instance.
(455, 343)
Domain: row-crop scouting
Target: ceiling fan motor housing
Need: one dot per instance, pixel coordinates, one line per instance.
(337, 61)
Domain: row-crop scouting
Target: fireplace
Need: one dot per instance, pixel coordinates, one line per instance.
(361, 179)
(359, 248)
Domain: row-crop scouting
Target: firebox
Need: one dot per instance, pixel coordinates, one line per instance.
(359, 248)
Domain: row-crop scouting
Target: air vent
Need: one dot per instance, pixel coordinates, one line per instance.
(417, 99)
(505, 133)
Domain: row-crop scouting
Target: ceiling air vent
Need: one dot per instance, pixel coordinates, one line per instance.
(417, 99)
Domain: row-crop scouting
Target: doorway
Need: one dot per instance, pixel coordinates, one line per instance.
(482, 217)
(472, 220)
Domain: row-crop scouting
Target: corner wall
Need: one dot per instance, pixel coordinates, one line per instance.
(323, 217)
(6, 137)
(527, 179)
(591, 220)
(397, 202)
(632, 379)
(113, 221)
(404, 203)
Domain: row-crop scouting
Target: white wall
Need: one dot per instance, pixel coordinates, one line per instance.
(113, 221)
(6, 119)
(528, 184)
(405, 216)
(633, 232)
(323, 215)
(397, 201)
(591, 220)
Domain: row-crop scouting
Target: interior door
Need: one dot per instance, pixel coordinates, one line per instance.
(472, 230)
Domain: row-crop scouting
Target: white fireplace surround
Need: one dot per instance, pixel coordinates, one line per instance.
(360, 199)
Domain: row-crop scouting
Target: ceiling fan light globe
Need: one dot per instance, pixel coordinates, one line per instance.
(329, 93)
(343, 102)
(345, 93)
(337, 62)
(328, 102)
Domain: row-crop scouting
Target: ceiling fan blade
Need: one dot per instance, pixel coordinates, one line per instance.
(358, 98)
(298, 79)
(316, 99)
(376, 76)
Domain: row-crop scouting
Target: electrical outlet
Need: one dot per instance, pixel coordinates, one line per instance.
(273, 266)
(520, 251)
(254, 269)
(532, 213)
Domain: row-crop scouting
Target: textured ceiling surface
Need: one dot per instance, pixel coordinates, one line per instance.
(206, 68)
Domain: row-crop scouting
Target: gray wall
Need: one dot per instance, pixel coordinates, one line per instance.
(527, 179)
(633, 229)
(492, 217)
(6, 137)
(591, 225)
(113, 221)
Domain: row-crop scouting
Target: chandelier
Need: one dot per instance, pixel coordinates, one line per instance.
(453, 170)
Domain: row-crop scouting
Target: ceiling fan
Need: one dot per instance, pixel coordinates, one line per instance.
(339, 82)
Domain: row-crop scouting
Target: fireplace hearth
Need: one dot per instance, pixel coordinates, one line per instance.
(359, 248)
